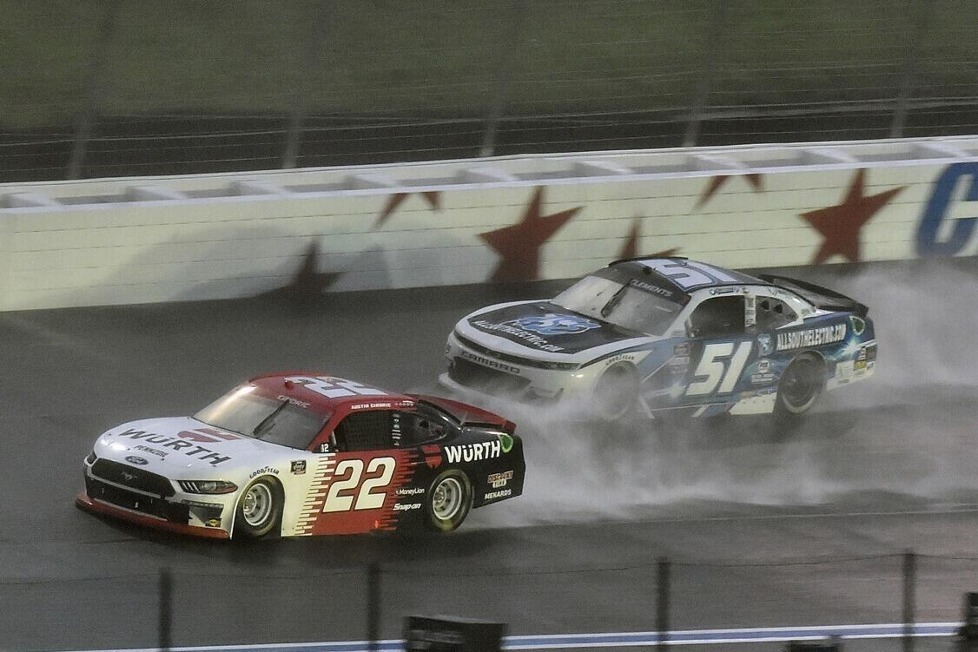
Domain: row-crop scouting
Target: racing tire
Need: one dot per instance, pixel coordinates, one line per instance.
(800, 386)
(259, 509)
(448, 501)
(616, 393)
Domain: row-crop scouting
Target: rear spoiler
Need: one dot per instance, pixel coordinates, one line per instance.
(823, 298)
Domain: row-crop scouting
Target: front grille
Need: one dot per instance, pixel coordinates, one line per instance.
(133, 477)
(151, 505)
(467, 373)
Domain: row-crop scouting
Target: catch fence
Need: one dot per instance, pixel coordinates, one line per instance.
(899, 600)
(123, 88)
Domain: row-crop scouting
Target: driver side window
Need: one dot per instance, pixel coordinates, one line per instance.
(364, 431)
(718, 317)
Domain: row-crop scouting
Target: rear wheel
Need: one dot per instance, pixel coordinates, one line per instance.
(449, 500)
(800, 386)
(258, 509)
(616, 394)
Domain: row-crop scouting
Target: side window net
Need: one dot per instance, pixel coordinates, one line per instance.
(364, 431)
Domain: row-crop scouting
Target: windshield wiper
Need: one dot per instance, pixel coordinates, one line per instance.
(613, 301)
(267, 422)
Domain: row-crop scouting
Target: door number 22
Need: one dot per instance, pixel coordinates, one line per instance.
(719, 368)
(348, 492)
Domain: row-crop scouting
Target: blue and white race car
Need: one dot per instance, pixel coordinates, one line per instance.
(654, 334)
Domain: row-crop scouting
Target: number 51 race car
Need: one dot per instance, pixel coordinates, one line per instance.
(302, 454)
(655, 334)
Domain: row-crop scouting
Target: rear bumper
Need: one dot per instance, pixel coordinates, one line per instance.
(95, 506)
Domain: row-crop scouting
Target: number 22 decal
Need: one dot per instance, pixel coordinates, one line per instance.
(356, 495)
(719, 368)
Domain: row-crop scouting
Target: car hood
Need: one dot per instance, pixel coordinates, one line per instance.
(182, 447)
(542, 330)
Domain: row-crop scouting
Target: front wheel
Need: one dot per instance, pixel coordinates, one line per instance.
(616, 394)
(258, 509)
(800, 386)
(449, 500)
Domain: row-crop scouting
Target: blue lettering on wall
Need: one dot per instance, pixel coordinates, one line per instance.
(928, 244)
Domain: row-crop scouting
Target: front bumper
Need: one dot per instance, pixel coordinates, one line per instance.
(145, 498)
(97, 506)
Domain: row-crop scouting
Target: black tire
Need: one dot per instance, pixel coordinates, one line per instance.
(259, 509)
(448, 501)
(800, 386)
(616, 393)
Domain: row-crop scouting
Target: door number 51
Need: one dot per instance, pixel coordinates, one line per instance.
(719, 368)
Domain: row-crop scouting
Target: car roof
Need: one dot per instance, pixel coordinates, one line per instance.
(328, 394)
(682, 276)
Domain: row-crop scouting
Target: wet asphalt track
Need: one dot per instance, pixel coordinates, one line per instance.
(763, 528)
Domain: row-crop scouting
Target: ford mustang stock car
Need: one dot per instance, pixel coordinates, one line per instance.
(648, 335)
(298, 454)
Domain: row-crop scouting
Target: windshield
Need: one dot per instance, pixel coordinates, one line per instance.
(274, 420)
(623, 305)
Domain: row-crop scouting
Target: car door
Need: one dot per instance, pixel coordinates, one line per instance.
(363, 475)
(720, 349)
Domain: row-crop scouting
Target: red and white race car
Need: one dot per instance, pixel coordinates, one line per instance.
(298, 454)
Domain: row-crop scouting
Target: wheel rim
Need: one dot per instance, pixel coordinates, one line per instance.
(800, 385)
(447, 499)
(257, 504)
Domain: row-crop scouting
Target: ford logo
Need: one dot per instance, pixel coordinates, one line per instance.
(138, 461)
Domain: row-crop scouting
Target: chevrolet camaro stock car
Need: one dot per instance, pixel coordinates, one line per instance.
(304, 454)
(647, 335)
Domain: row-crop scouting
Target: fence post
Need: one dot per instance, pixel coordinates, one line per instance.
(909, 590)
(373, 606)
(662, 604)
(508, 63)
(712, 51)
(93, 90)
(308, 67)
(166, 609)
(920, 17)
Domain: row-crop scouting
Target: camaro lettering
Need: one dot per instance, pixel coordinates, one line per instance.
(811, 337)
(191, 450)
(487, 362)
(529, 338)
(486, 450)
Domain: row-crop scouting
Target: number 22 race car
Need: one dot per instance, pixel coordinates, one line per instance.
(667, 334)
(302, 454)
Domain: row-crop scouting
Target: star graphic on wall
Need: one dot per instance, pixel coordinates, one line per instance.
(630, 248)
(754, 179)
(840, 224)
(519, 244)
(308, 281)
(433, 198)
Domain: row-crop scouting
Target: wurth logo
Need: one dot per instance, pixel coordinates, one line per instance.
(486, 450)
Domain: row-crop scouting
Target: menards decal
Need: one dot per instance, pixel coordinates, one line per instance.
(811, 337)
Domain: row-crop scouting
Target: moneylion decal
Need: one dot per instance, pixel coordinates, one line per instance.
(811, 337)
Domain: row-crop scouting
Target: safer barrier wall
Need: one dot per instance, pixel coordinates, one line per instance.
(139, 240)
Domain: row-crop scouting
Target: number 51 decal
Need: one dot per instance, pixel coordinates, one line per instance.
(346, 492)
(719, 368)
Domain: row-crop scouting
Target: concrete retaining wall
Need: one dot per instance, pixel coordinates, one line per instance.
(139, 240)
